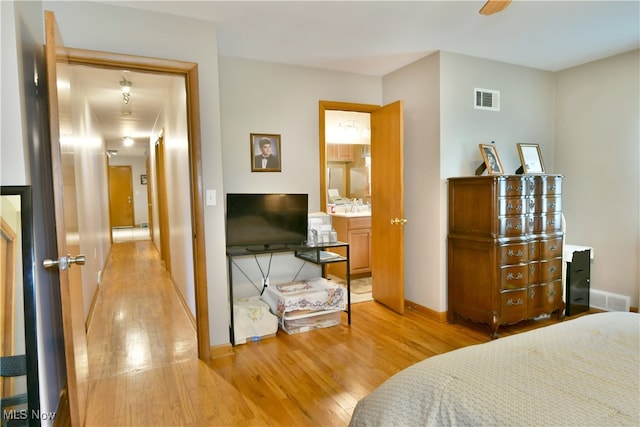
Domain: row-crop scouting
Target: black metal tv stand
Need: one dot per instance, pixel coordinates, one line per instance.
(320, 255)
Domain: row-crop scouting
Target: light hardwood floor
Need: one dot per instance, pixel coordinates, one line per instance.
(144, 368)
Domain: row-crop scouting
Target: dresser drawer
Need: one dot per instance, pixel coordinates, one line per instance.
(513, 306)
(549, 204)
(514, 276)
(534, 250)
(512, 206)
(551, 248)
(550, 270)
(513, 226)
(534, 271)
(544, 298)
(357, 223)
(547, 223)
(548, 185)
(512, 186)
(514, 253)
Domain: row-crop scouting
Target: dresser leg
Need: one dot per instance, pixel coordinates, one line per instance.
(495, 324)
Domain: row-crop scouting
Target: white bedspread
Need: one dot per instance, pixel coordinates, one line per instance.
(581, 372)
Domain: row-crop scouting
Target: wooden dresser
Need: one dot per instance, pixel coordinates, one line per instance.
(505, 248)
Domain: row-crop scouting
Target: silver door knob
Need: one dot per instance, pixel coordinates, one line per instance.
(64, 262)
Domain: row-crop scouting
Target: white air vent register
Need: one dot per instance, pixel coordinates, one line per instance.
(486, 99)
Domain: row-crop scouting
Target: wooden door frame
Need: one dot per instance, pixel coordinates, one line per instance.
(188, 70)
(8, 289)
(345, 106)
(149, 199)
(161, 188)
(323, 106)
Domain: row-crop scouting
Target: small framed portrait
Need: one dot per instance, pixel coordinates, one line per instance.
(143, 179)
(531, 158)
(265, 152)
(491, 159)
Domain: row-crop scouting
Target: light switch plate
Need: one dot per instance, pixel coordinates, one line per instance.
(211, 198)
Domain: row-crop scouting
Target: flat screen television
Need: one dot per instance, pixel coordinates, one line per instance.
(266, 221)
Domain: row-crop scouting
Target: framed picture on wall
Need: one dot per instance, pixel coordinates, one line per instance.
(531, 158)
(265, 152)
(491, 159)
(143, 179)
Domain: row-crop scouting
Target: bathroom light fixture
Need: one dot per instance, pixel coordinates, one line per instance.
(352, 129)
(127, 141)
(125, 86)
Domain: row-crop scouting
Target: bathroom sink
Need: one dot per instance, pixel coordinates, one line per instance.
(352, 214)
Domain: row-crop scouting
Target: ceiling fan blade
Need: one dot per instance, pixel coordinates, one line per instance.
(494, 6)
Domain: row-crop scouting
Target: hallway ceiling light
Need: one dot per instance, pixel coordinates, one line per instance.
(127, 141)
(111, 153)
(125, 86)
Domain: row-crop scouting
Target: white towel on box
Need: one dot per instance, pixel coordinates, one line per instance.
(252, 319)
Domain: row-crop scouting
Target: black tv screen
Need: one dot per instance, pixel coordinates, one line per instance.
(266, 220)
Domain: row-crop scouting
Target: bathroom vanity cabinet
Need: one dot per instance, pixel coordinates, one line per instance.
(354, 229)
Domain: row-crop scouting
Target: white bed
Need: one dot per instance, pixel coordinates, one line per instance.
(581, 372)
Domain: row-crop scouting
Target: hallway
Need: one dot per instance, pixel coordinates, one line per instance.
(142, 350)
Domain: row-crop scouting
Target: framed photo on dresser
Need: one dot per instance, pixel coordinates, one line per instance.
(491, 159)
(531, 158)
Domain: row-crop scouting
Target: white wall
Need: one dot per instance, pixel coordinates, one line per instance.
(598, 151)
(418, 85)
(264, 97)
(13, 158)
(91, 210)
(442, 133)
(526, 116)
(172, 121)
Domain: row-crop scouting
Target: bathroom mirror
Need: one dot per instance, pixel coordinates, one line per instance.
(345, 155)
(17, 299)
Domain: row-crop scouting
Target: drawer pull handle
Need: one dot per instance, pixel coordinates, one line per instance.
(510, 302)
(511, 253)
(518, 276)
(552, 293)
(552, 269)
(552, 205)
(553, 247)
(532, 293)
(518, 226)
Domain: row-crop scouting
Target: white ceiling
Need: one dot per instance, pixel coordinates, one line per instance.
(377, 37)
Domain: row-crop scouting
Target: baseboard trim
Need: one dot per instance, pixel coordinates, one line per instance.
(184, 303)
(223, 350)
(63, 414)
(436, 315)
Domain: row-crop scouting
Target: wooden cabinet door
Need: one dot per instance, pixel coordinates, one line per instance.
(360, 245)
